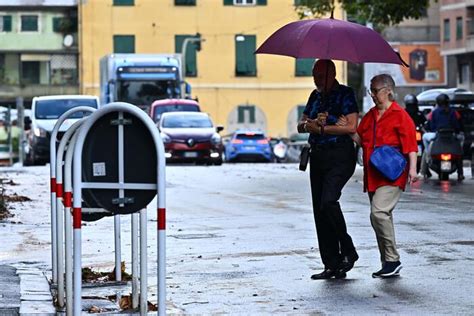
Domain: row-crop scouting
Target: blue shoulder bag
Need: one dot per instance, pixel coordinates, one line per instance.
(388, 160)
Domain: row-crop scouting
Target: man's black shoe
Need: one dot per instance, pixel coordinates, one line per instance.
(390, 269)
(328, 274)
(347, 262)
(461, 177)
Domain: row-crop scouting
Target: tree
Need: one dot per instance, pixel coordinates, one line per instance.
(379, 12)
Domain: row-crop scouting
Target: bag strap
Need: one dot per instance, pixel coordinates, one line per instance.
(375, 134)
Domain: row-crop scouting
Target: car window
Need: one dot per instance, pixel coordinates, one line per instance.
(158, 110)
(186, 121)
(53, 109)
(250, 136)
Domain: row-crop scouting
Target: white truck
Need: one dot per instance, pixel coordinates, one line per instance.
(45, 112)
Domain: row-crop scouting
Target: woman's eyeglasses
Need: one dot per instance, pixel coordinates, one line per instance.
(374, 91)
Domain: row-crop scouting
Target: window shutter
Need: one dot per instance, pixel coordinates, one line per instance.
(185, 2)
(7, 23)
(191, 64)
(252, 113)
(124, 44)
(246, 63)
(241, 115)
(304, 67)
(123, 2)
(57, 24)
(299, 112)
(261, 2)
(228, 2)
(29, 23)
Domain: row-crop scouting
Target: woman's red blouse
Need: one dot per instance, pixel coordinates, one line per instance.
(394, 128)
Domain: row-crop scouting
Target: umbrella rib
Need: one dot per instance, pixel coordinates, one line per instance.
(353, 45)
(302, 42)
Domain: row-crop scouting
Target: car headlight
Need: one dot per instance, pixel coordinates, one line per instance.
(39, 132)
(216, 139)
(165, 138)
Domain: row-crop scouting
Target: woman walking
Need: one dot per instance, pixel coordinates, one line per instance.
(386, 124)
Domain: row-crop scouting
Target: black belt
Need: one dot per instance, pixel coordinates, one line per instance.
(336, 144)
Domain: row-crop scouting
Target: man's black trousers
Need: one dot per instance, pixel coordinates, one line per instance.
(331, 166)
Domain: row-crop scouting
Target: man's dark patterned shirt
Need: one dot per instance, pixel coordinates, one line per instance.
(340, 101)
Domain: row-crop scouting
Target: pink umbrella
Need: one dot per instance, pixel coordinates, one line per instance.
(330, 39)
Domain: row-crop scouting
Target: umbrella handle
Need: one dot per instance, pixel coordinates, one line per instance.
(401, 59)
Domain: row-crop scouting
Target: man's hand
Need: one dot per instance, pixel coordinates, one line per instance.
(341, 121)
(321, 119)
(312, 126)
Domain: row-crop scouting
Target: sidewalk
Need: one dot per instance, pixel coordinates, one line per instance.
(24, 290)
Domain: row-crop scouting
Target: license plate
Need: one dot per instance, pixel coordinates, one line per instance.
(190, 154)
(250, 147)
(445, 165)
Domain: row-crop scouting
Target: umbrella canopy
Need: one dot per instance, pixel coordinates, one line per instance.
(330, 39)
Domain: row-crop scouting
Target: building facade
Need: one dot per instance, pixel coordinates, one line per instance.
(239, 89)
(38, 49)
(457, 38)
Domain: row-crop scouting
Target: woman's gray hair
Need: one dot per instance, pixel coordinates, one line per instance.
(387, 81)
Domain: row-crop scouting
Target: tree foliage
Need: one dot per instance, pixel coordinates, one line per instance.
(379, 12)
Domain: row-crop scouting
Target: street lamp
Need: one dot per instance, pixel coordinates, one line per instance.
(184, 46)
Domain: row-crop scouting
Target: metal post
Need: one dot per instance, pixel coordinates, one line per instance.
(59, 208)
(134, 260)
(20, 110)
(10, 140)
(183, 59)
(143, 264)
(161, 219)
(118, 253)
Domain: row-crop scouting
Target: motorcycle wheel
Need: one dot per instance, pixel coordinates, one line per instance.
(443, 176)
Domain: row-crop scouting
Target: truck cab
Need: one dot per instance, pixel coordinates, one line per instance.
(140, 79)
(45, 112)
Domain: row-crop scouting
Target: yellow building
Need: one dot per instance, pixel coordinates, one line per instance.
(238, 89)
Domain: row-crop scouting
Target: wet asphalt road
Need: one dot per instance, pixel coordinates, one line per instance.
(241, 239)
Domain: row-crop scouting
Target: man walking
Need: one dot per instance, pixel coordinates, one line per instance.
(332, 163)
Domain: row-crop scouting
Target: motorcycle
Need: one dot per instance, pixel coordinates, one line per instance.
(445, 154)
(279, 151)
(419, 142)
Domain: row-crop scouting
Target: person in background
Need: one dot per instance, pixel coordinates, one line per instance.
(411, 106)
(332, 163)
(442, 117)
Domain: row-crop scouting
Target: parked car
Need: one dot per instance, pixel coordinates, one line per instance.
(45, 112)
(248, 145)
(172, 105)
(191, 137)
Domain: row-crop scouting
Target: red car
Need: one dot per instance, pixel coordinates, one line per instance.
(191, 137)
(172, 105)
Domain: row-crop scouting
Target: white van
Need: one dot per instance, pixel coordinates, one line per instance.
(45, 112)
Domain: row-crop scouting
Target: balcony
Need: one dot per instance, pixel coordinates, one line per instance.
(29, 75)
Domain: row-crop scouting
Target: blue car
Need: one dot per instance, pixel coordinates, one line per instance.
(249, 146)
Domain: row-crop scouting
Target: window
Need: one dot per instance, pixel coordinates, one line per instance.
(124, 44)
(190, 62)
(246, 114)
(245, 2)
(30, 72)
(123, 2)
(459, 28)
(299, 111)
(246, 63)
(446, 31)
(185, 2)
(304, 67)
(6, 23)
(63, 69)
(29, 23)
(464, 74)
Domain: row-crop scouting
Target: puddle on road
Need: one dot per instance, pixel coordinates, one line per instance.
(195, 236)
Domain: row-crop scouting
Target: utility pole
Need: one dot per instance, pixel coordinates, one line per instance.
(184, 46)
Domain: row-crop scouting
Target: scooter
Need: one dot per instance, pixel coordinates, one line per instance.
(445, 154)
(279, 151)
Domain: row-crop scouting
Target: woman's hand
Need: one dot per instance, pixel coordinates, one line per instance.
(412, 174)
